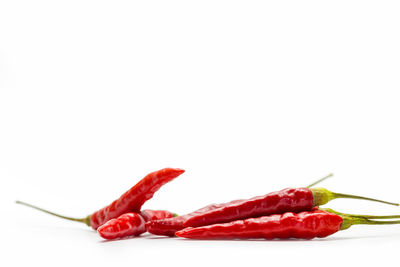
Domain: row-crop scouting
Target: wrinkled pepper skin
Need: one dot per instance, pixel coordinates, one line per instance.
(134, 198)
(169, 226)
(303, 225)
(149, 215)
(128, 224)
(286, 200)
(166, 227)
(131, 224)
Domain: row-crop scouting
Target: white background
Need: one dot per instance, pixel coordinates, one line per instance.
(247, 96)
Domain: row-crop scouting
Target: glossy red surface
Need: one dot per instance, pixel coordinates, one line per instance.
(149, 215)
(131, 224)
(286, 200)
(304, 225)
(134, 198)
(169, 226)
(128, 224)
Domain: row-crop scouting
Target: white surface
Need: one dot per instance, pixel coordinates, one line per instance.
(247, 96)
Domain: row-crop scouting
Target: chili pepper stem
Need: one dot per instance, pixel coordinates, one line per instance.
(340, 195)
(85, 220)
(320, 180)
(323, 196)
(350, 220)
(362, 216)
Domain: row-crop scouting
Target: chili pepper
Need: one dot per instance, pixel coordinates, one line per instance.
(286, 200)
(131, 223)
(304, 225)
(169, 227)
(130, 201)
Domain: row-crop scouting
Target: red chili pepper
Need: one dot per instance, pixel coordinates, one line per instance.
(130, 201)
(169, 227)
(304, 225)
(286, 200)
(291, 199)
(131, 224)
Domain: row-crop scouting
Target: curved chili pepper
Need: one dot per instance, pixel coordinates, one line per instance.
(130, 201)
(134, 198)
(304, 225)
(131, 224)
(286, 200)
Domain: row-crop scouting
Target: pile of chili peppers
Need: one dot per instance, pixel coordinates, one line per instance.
(284, 214)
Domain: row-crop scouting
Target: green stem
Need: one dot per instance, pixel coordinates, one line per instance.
(85, 220)
(367, 221)
(340, 195)
(320, 180)
(349, 221)
(363, 216)
(322, 196)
